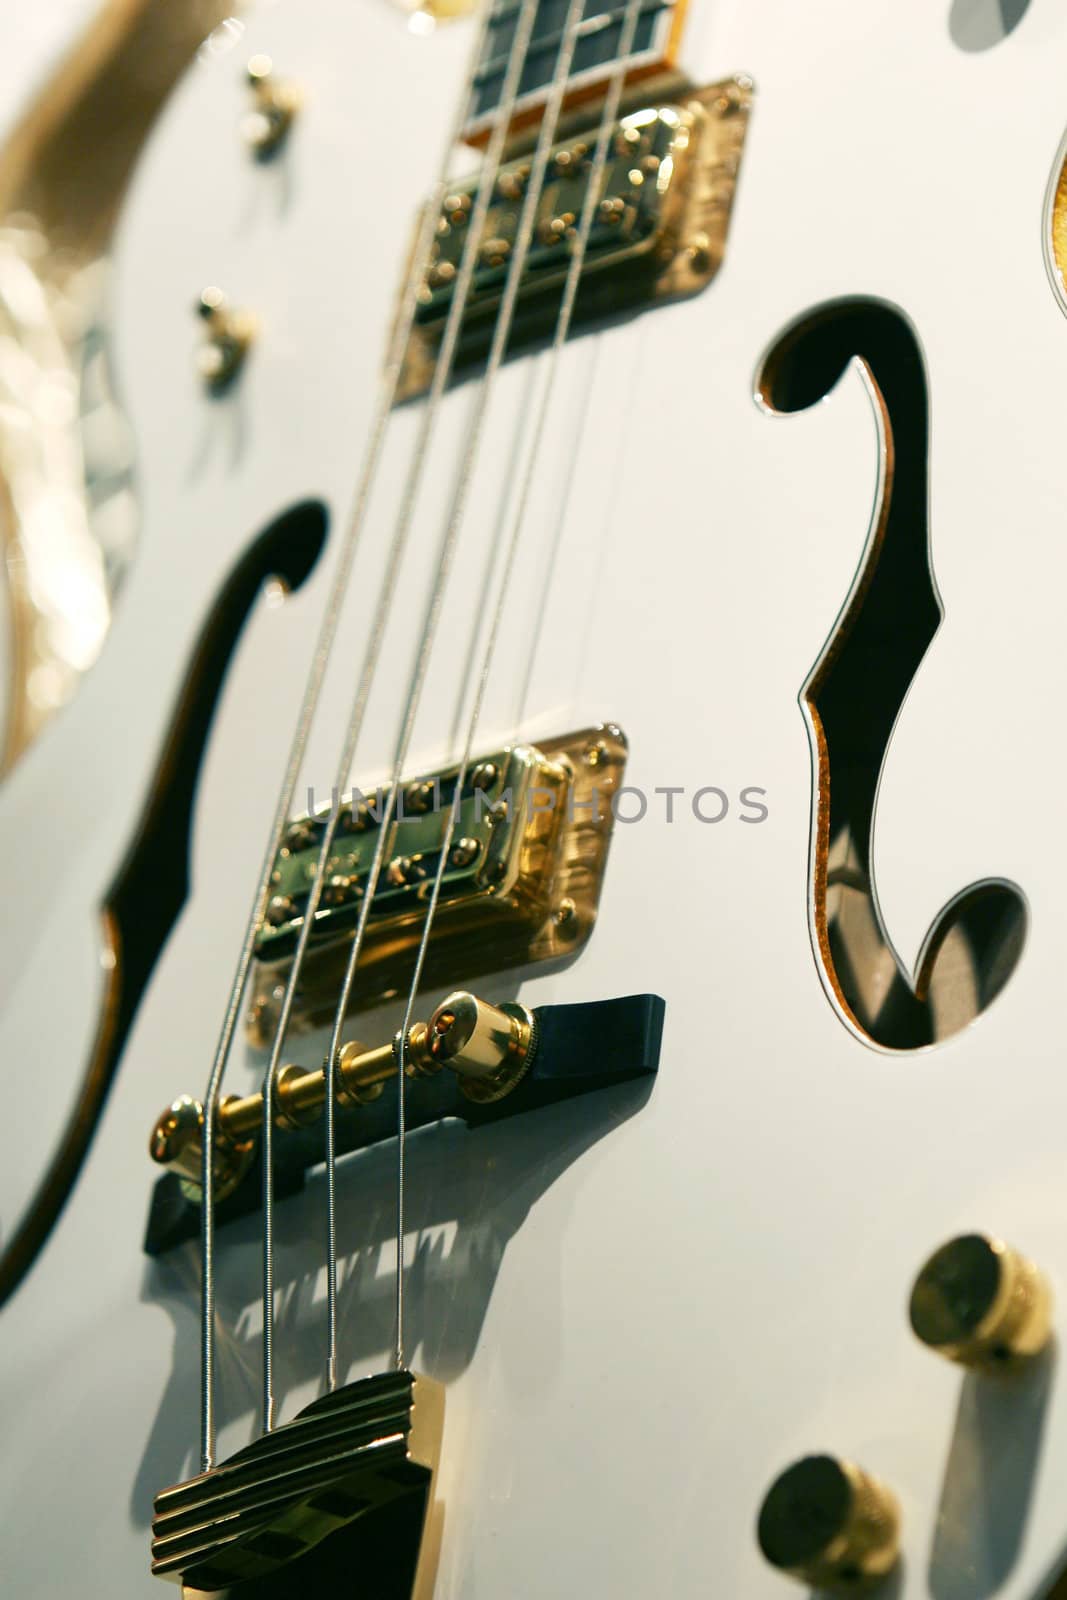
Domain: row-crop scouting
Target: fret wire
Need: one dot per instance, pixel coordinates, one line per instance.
(505, 13)
(602, 67)
(542, 44)
(508, 12)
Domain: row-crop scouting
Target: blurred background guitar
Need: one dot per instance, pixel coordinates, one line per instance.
(82, 82)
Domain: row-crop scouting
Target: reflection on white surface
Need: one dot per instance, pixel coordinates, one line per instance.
(31, 38)
(65, 462)
(221, 39)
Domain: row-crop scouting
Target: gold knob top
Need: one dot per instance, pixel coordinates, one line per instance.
(488, 1047)
(175, 1141)
(277, 100)
(979, 1302)
(829, 1524)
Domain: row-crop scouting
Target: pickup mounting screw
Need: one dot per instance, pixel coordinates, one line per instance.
(553, 231)
(341, 888)
(730, 100)
(401, 871)
(494, 252)
(301, 836)
(418, 798)
(484, 775)
(355, 819)
(698, 252)
(566, 913)
(280, 910)
(463, 852)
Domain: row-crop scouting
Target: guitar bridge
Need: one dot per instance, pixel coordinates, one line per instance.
(305, 1507)
(474, 1061)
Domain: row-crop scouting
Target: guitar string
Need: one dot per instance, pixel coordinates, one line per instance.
(501, 332)
(328, 628)
(609, 116)
(402, 527)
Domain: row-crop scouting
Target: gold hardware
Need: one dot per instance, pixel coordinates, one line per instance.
(531, 840)
(279, 909)
(566, 912)
(488, 1047)
(829, 1524)
(267, 125)
(650, 241)
(362, 1074)
(307, 1491)
(229, 334)
(978, 1302)
(464, 852)
(293, 1113)
(419, 797)
(176, 1143)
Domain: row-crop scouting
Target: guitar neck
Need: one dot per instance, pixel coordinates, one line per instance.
(596, 53)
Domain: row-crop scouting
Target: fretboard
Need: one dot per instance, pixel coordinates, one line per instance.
(597, 48)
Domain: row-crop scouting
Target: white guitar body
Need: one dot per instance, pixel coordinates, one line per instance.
(642, 1306)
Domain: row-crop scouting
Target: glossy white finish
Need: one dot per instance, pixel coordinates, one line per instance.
(641, 1310)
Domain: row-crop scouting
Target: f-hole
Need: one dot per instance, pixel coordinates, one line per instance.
(977, 25)
(854, 694)
(150, 888)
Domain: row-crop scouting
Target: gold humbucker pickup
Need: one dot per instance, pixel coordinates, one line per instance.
(521, 883)
(659, 229)
(296, 1509)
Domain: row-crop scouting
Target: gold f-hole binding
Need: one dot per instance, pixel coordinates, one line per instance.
(854, 694)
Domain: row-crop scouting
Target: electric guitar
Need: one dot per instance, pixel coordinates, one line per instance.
(559, 856)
